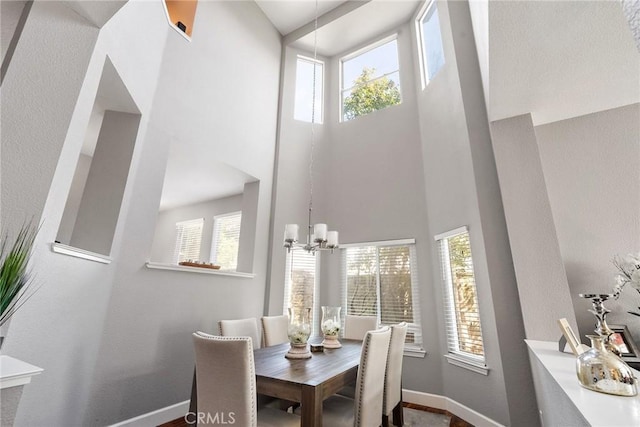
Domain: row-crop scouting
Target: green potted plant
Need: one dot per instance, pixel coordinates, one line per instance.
(15, 279)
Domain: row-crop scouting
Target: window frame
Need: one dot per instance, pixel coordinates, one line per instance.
(422, 60)
(410, 349)
(314, 114)
(179, 239)
(214, 238)
(359, 52)
(454, 355)
(315, 309)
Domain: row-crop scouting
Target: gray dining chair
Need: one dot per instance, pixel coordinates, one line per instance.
(355, 327)
(226, 384)
(241, 328)
(365, 409)
(275, 329)
(392, 397)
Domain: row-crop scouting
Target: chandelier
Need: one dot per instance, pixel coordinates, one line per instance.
(318, 237)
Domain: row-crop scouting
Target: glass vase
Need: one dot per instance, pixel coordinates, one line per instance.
(299, 331)
(331, 326)
(600, 370)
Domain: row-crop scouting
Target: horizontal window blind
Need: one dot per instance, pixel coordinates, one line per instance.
(226, 240)
(382, 281)
(462, 315)
(300, 285)
(188, 239)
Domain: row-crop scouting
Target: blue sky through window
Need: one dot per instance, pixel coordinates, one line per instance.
(432, 42)
(383, 58)
(304, 90)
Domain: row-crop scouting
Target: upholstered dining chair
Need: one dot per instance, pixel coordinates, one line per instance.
(392, 397)
(226, 384)
(365, 409)
(355, 327)
(241, 328)
(275, 329)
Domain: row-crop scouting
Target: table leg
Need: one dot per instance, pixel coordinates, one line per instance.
(311, 406)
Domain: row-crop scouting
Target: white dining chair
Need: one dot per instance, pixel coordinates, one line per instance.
(365, 409)
(226, 384)
(241, 328)
(355, 327)
(275, 329)
(392, 397)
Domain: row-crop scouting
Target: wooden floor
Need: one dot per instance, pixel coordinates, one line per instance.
(455, 421)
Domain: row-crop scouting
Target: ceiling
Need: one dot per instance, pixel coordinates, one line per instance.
(287, 16)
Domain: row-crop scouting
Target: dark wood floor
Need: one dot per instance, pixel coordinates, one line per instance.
(455, 421)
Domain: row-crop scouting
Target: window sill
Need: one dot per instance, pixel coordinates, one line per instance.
(173, 267)
(80, 253)
(467, 363)
(415, 352)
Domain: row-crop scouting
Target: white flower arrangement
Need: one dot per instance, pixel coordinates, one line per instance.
(299, 334)
(628, 272)
(330, 327)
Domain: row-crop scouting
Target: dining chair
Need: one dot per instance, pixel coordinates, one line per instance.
(355, 327)
(241, 328)
(392, 396)
(275, 329)
(226, 384)
(365, 409)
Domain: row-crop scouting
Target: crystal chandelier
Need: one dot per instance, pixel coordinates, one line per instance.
(318, 238)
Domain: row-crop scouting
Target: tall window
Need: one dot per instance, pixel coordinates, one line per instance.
(188, 238)
(380, 279)
(370, 79)
(304, 105)
(464, 332)
(430, 40)
(226, 240)
(300, 285)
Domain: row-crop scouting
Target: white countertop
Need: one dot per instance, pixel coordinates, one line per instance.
(14, 372)
(598, 409)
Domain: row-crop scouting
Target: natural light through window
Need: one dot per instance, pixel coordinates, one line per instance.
(464, 332)
(300, 285)
(432, 52)
(370, 79)
(226, 240)
(381, 279)
(304, 90)
(188, 239)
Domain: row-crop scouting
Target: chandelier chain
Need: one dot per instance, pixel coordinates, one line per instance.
(313, 108)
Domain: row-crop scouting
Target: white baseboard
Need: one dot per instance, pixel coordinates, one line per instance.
(178, 410)
(447, 404)
(155, 418)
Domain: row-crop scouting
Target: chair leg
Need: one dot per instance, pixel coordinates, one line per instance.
(398, 416)
(385, 421)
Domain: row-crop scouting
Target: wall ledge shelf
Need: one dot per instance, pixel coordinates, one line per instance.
(14, 372)
(173, 267)
(80, 253)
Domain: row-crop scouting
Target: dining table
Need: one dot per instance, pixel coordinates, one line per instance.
(307, 381)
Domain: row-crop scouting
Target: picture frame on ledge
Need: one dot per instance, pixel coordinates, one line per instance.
(622, 337)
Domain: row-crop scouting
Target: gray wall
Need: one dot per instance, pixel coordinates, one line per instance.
(114, 340)
(73, 201)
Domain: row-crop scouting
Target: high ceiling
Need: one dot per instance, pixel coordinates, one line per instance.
(287, 16)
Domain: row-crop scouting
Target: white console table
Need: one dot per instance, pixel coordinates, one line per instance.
(563, 401)
(14, 374)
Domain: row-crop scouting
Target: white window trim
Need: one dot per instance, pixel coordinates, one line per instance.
(410, 350)
(214, 237)
(321, 106)
(355, 54)
(464, 360)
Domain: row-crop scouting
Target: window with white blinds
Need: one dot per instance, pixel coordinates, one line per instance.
(226, 240)
(381, 279)
(300, 285)
(188, 238)
(462, 316)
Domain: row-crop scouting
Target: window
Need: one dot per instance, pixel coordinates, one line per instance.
(304, 108)
(188, 238)
(226, 240)
(370, 79)
(462, 317)
(300, 285)
(380, 279)
(430, 40)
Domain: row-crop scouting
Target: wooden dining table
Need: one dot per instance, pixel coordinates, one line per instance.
(308, 381)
